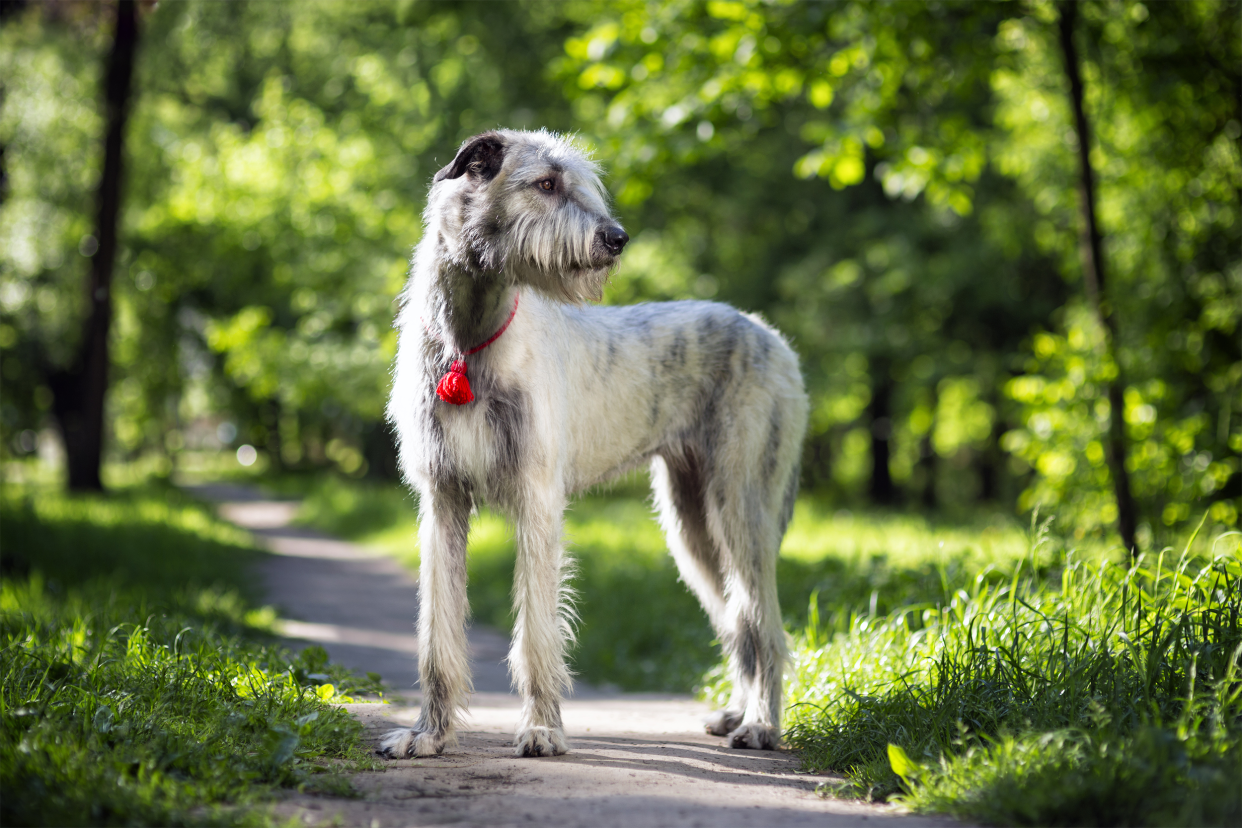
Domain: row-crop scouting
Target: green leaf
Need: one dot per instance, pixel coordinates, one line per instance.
(902, 765)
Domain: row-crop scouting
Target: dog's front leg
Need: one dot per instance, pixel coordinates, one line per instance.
(537, 656)
(443, 664)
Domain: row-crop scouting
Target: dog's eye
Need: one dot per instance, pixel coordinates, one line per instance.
(547, 185)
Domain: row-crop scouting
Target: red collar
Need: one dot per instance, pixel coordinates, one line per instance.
(490, 339)
(496, 335)
(453, 387)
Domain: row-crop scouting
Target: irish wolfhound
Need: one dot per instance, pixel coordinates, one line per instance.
(509, 390)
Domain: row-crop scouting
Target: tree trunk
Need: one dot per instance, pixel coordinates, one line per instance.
(379, 448)
(881, 488)
(929, 462)
(992, 456)
(12, 8)
(78, 393)
(817, 461)
(270, 418)
(1091, 249)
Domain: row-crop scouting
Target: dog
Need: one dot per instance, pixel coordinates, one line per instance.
(509, 389)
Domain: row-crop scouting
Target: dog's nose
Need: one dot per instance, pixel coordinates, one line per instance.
(614, 238)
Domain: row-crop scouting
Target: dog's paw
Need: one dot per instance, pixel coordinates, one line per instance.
(407, 742)
(755, 737)
(722, 722)
(541, 741)
(397, 744)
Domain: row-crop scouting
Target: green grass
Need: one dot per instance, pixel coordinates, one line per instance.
(139, 681)
(1089, 693)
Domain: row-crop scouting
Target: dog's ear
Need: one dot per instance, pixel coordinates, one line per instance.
(481, 157)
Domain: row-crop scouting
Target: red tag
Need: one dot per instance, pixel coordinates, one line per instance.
(454, 388)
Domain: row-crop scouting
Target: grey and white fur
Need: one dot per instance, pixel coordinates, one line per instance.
(569, 396)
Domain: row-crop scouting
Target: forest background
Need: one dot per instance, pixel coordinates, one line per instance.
(899, 187)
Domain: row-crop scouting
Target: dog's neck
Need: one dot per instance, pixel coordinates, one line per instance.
(463, 308)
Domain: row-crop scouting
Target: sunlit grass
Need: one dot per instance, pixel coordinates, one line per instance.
(1100, 695)
(818, 531)
(139, 680)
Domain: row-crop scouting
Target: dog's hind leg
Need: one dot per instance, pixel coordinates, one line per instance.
(443, 665)
(677, 485)
(542, 627)
(749, 489)
(755, 637)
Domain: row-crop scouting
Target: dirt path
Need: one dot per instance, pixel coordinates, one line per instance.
(636, 759)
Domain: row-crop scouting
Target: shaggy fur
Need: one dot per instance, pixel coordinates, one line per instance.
(569, 396)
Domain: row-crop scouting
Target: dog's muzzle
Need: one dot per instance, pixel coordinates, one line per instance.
(612, 239)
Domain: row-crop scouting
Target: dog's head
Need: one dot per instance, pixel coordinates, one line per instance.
(529, 205)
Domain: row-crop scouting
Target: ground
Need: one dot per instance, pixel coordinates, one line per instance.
(635, 759)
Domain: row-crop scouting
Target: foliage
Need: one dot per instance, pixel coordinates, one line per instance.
(1173, 463)
(139, 683)
(901, 79)
(1168, 163)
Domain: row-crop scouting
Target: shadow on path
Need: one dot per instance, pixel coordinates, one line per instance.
(627, 767)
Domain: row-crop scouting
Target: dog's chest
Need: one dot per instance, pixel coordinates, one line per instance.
(484, 441)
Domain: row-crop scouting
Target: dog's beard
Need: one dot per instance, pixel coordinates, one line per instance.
(574, 284)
